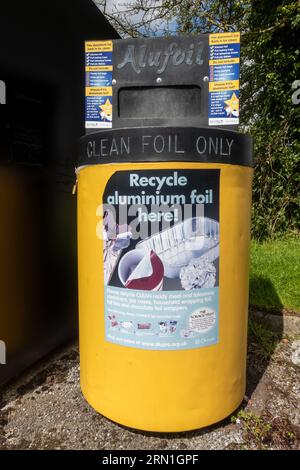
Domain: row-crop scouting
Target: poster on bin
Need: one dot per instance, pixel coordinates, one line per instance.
(161, 236)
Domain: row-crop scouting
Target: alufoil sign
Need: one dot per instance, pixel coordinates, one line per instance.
(139, 57)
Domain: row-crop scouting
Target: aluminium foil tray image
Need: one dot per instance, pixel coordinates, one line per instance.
(177, 246)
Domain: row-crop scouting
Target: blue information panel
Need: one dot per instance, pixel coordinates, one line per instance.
(98, 84)
(224, 70)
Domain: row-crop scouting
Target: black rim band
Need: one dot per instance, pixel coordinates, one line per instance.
(155, 144)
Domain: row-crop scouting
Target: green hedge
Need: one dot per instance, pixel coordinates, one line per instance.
(270, 64)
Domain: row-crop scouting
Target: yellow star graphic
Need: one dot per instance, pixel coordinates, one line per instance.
(107, 107)
(233, 103)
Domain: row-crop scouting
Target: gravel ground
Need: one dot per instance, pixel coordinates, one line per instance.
(44, 409)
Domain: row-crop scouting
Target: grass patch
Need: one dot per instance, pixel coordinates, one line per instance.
(275, 273)
(266, 432)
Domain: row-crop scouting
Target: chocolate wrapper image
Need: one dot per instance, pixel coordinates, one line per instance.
(144, 326)
(144, 329)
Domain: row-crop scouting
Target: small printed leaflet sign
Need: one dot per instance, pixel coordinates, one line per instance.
(98, 84)
(2, 92)
(224, 69)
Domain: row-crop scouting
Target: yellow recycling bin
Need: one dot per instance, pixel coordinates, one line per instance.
(163, 241)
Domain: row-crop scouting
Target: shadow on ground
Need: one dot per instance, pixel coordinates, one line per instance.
(262, 341)
(263, 292)
(45, 408)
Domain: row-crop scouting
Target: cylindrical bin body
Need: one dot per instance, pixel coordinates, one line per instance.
(163, 315)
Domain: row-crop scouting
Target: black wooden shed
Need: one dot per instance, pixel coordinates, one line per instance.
(42, 67)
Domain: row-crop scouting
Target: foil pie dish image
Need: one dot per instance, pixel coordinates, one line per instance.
(177, 246)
